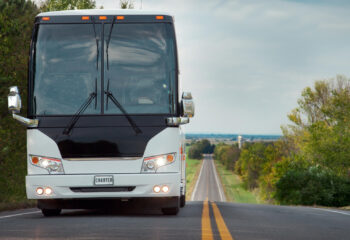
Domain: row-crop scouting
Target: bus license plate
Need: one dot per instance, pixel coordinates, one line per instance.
(103, 180)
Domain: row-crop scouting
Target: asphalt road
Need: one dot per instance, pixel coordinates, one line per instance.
(213, 219)
(208, 186)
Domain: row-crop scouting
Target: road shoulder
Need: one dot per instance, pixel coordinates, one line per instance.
(233, 187)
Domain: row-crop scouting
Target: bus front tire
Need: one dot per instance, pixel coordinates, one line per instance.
(182, 201)
(51, 212)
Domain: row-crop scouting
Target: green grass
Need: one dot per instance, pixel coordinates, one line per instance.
(192, 171)
(6, 206)
(233, 186)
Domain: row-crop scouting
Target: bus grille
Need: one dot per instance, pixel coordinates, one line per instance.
(102, 189)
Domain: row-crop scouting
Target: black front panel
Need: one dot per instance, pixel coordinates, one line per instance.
(102, 136)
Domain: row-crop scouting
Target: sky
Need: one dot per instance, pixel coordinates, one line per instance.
(246, 62)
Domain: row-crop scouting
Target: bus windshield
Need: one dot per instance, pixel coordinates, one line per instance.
(72, 61)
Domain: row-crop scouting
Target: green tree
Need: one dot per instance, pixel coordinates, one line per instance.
(205, 146)
(319, 141)
(321, 125)
(126, 4)
(228, 155)
(195, 152)
(278, 160)
(198, 148)
(57, 5)
(250, 163)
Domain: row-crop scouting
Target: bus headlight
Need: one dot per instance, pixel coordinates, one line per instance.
(151, 164)
(52, 165)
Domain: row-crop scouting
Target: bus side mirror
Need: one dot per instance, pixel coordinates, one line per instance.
(187, 111)
(187, 105)
(14, 100)
(15, 105)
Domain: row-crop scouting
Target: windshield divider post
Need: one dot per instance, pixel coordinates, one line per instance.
(102, 69)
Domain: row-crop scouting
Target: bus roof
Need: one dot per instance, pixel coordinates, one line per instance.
(102, 12)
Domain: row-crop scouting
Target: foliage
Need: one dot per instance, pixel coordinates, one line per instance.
(57, 5)
(126, 4)
(313, 186)
(16, 21)
(228, 155)
(250, 163)
(198, 148)
(320, 140)
(321, 127)
(311, 163)
(195, 152)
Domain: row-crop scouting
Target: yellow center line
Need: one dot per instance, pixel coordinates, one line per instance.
(207, 233)
(224, 232)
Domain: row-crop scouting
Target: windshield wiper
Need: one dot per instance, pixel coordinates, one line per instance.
(96, 38)
(121, 108)
(76, 116)
(108, 40)
(81, 110)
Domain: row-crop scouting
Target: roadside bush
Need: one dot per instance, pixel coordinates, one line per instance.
(228, 155)
(313, 186)
(250, 163)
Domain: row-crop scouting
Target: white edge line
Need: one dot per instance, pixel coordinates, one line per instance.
(196, 186)
(223, 198)
(328, 210)
(18, 214)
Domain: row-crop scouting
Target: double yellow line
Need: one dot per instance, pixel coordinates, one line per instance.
(207, 233)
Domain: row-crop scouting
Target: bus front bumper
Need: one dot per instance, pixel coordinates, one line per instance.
(125, 186)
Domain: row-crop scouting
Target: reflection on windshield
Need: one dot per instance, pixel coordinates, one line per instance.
(141, 59)
(65, 70)
(141, 68)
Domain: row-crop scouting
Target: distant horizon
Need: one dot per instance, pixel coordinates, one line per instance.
(227, 133)
(215, 133)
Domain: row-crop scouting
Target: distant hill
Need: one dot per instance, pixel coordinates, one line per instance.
(232, 137)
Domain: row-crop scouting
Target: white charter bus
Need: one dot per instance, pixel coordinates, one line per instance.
(104, 111)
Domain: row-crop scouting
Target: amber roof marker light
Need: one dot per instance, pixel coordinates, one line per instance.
(45, 18)
(159, 17)
(85, 18)
(102, 17)
(120, 17)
